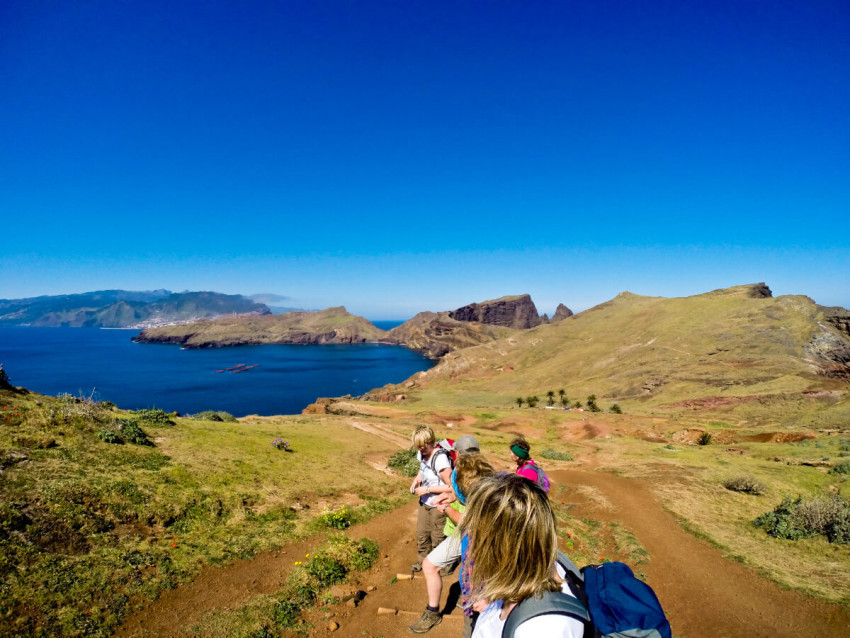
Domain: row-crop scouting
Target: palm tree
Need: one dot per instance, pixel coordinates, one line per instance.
(520, 401)
(561, 393)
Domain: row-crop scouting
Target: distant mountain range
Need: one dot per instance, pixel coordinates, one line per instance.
(124, 309)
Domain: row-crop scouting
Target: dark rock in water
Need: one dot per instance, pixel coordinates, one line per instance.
(511, 312)
(561, 313)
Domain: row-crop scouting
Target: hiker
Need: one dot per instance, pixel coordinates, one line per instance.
(433, 479)
(511, 556)
(525, 465)
(470, 467)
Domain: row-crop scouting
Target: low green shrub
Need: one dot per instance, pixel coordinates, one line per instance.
(704, 438)
(798, 518)
(404, 462)
(215, 415)
(841, 468)
(616, 409)
(745, 484)
(326, 570)
(154, 416)
(132, 433)
(550, 453)
(340, 518)
(328, 566)
(108, 436)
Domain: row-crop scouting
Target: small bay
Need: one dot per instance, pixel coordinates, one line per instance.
(278, 379)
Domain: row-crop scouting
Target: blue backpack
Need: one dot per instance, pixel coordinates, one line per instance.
(609, 600)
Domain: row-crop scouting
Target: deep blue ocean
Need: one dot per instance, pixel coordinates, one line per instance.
(80, 361)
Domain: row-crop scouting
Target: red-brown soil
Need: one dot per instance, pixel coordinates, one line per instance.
(703, 593)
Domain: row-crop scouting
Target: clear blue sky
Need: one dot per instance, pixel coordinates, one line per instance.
(406, 155)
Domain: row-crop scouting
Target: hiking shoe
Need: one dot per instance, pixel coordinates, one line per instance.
(416, 567)
(427, 622)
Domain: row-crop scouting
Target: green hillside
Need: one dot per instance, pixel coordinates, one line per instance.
(731, 349)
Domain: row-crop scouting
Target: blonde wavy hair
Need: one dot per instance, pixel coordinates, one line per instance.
(512, 540)
(422, 436)
(470, 467)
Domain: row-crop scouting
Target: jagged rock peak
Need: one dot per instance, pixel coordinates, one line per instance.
(561, 313)
(760, 291)
(516, 311)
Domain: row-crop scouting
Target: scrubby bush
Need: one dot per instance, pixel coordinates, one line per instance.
(132, 433)
(340, 518)
(745, 484)
(550, 453)
(841, 468)
(326, 570)
(208, 415)
(798, 518)
(154, 416)
(405, 462)
(327, 567)
(704, 438)
(616, 409)
(108, 436)
(215, 415)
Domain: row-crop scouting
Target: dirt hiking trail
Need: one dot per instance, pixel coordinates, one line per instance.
(704, 594)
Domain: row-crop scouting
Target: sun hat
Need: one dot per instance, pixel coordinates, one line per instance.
(467, 443)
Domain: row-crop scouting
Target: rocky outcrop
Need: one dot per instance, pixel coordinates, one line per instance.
(516, 312)
(831, 350)
(838, 317)
(760, 291)
(434, 334)
(561, 313)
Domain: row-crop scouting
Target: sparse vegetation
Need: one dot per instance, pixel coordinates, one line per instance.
(211, 415)
(616, 409)
(326, 567)
(798, 518)
(339, 518)
(841, 468)
(550, 453)
(153, 417)
(405, 462)
(704, 438)
(745, 484)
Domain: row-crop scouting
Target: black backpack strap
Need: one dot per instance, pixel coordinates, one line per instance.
(552, 602)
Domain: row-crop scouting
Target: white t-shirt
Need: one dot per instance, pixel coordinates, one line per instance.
(429, 477)
(490, 625)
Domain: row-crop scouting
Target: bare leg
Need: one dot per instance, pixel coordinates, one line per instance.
(433, 582)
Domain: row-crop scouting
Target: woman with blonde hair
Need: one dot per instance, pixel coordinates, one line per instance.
(512, 555)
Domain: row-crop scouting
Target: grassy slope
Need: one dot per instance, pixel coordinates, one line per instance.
(89, 529)
(720, 344)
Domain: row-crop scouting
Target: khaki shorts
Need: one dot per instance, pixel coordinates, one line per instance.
(446, 553)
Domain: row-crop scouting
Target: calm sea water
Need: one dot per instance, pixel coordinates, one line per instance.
(134, 375)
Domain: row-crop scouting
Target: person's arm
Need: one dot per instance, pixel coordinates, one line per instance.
(417, 481)
(453, 514)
